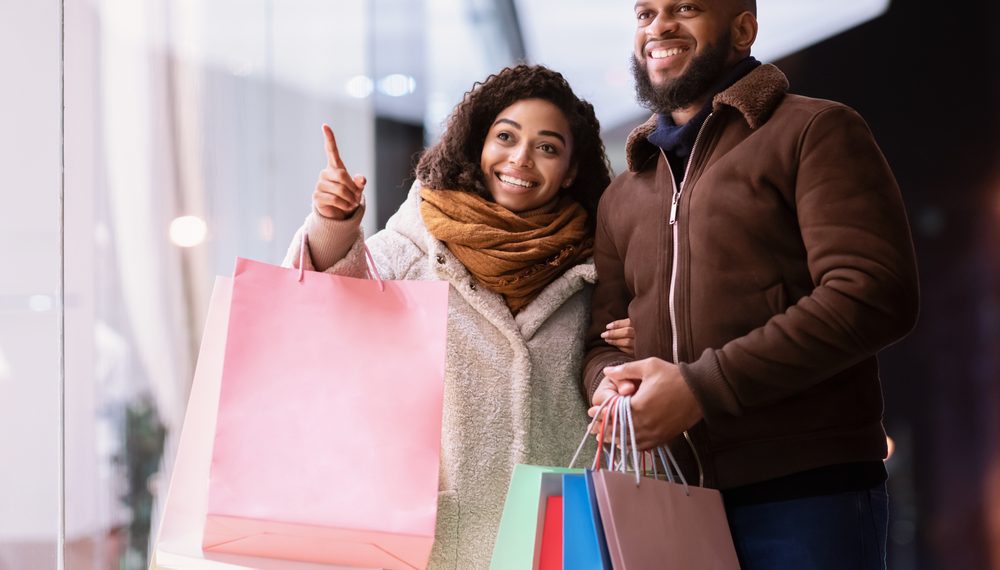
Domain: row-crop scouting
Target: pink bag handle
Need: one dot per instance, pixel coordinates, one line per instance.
(369, 265)
(590, 427)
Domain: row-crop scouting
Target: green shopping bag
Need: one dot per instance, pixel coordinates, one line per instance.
(518, 539)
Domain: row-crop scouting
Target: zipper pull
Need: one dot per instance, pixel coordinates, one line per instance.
(673, 208)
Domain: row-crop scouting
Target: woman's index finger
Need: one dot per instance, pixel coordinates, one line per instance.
(332, 153)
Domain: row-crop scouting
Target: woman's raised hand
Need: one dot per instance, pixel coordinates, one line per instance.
(620, 334)
(337, 194)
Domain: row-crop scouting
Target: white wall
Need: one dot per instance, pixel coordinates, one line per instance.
(30, 143)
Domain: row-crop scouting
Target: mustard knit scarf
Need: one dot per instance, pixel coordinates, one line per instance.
(514, 255)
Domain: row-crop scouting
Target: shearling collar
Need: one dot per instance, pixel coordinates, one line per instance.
(755, 96)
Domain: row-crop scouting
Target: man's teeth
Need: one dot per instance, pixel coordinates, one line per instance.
(517, 181)
(661, 53)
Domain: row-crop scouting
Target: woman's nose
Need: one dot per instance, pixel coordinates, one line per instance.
(520, 156)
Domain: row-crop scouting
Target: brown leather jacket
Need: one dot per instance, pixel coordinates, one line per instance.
(789, 267)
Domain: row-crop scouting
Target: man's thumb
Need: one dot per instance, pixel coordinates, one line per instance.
(626, 371)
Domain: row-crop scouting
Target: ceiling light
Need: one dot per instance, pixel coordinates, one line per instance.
(188, 231)
(5, 370)
(397, 85)
(40, 303)
(359, 86)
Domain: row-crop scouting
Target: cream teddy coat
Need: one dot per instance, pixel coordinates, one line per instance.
(511, 382)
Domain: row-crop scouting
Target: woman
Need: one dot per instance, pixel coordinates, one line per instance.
(503, 209)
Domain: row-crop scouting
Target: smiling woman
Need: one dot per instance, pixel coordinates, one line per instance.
(526, 156)
(503, 210)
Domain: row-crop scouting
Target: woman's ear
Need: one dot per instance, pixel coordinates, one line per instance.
(570, 176)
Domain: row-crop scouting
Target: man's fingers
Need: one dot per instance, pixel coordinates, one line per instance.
(332, 153)
(628, 371)
(626, 387)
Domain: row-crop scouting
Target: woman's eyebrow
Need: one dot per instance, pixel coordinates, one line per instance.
(509, 122)
(554, 135)
(546, 133)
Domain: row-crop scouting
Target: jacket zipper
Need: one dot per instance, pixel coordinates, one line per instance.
(674, 207)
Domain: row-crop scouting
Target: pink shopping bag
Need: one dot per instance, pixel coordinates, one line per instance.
(327, 440)
(178, 543)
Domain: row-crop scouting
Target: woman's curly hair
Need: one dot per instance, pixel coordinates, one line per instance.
(453, 162)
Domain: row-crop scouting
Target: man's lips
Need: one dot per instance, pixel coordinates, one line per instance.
(666, 53)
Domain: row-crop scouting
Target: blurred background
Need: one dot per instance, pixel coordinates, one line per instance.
(144, 144)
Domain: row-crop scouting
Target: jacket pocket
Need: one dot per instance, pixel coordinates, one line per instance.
(445, 552)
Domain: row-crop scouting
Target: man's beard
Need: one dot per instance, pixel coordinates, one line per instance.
(702, 73)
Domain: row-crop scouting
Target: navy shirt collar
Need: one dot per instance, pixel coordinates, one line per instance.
(678, 140)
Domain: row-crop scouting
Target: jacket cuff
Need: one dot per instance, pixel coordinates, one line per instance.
(329, 239)
(708, 382)
(598, 377)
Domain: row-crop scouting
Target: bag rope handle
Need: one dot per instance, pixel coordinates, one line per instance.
(370, 265)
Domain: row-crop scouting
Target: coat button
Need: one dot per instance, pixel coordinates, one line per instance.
(440, 259)
(472, 285)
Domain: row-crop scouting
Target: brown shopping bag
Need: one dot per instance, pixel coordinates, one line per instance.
(653, 523)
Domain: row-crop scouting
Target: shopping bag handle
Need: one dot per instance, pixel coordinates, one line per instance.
(369, 261)
(619, 414)
(586, 435)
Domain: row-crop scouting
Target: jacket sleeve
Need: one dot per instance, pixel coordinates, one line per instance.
(333, 246)
(860, 258)
(610, 303)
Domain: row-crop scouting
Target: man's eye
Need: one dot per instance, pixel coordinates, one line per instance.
(644, 15)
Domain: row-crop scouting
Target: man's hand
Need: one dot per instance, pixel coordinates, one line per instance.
(662, 405)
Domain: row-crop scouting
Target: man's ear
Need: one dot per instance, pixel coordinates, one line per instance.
(744, 31)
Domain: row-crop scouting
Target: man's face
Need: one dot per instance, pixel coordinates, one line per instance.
(682, 47)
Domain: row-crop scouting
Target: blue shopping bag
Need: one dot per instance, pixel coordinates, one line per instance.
(584, 546)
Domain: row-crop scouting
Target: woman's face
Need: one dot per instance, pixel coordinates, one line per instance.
(526, 155)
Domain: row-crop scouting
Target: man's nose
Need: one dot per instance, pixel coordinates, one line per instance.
(663, 24)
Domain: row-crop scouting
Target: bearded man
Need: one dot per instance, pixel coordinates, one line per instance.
(759, 243)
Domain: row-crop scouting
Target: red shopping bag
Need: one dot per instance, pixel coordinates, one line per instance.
(327, 440)
(551, 554)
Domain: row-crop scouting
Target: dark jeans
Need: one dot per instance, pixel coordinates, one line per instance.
(845, 531)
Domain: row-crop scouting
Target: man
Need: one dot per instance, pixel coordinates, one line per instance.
(759, 244)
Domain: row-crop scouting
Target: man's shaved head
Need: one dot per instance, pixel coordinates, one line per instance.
(739, 6)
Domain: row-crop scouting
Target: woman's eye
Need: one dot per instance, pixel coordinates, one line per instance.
(504, 136)
(548, 148)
